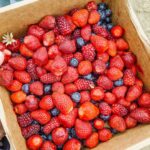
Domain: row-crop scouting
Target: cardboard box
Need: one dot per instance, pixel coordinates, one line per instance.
(17, 17)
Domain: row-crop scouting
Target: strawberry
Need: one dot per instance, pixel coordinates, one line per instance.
(117, 62)
(119, 91)
(85, 67)
(52, 124)
(83, 129)
(104, 135)
(67, 57)
(59, 39)
(48, 38)
(46, 103)
(68, 120)
(112, 48)
(14, 46)
(70, 75)
(59, 135)
(142, 115)
(80, 17)
(2, 58)
(18, 63)
(76, 33)
(94, 17)
(99, 66)
(97, 94)
(35, 30)
(103, 56)
(129, 77)
(99, 124)
(30, 130)
(18, 97)
(78, 56)
(86, 32)
(58, 66)
(123, 102)
(133, 93)
(119, 110)
(2, 46)
(114, 73)
(72, 25)
(83, 84)
(88, 111)
(20, 109)
(92, 140)
(88, 52)
(72, 144)
(70, 88)
(24, 51)
(117, 31)
(32, 42)
(24, 120)
(6, 77)
(104, 108)
(138, 82)
(62, 102)
(34, 142)
(40, 115)
(40, 57)
(58, 87)
(133, 106)
(91, 6)
(104, 82)
(130, 122)
(100, 43)
(48, 22)
(109, 98)
(48, 145)
(49, 78)
(122, 44)
(36, 88)
(15, 86)
(40, 71)
(85, 96)
(67, 46)
(53, 51)
(144, 100)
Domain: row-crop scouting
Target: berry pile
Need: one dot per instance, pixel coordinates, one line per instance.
(72, 80)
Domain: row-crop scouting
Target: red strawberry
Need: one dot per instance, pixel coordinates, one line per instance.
(48, 22)
(69, 19)
(62, 102)
(99, 66)
(133, 106)
(52, 124)
(83, 84)
(119, 110)
(139, 82)
(22, 76)
(80, 17)
(6, 66)
(85, 96)
(18, 97)
(35, 30)
(76, 33)
(117, 62)
(86, 32)
(133, 93)
(110, 98)
(68, 120)
(15, 86)
(103, 56)
(48, 38)
(114, 73)
(59, 135)
(40, 71)
(91, 6)
(72, 144)
(130, 122)
(36, 88)
(83, 129)
(129, 77)
(94, 17)
(30, 130)
(34, 142)
(99, 124)
(67, 58)
(104, 108)
(48, 145)
(49, 78)
(67, 46)
(20, 109)
(117, 31)
(144, 100)
(46, 103)
(88, 52)
(92, 140)
(24, 120)
(2, 46)
(120, 91)
(58, 87)
(100, 43)
(117, 123)
(70, 75)
(24, 51)
(59, 39)
(142, 115)
(40, 115)
(18, 63)
(104, 82)
(32, 42)
(123, 102)
(14, 46)
(70, 88)
(40, 57)
(53, 51)
(122, 44)
(112, 48)
(104, 135)
(78, 56)
(97, 94)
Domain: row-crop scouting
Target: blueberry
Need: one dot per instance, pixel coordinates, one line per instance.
(107, 64)
(94, 102)
(80, 42)
(25, 88)
(44, 137)
(59, 147)
(49, 137)
(47, 88)
(5, 144)
(1, 144)
(104, 117)
(108, 12)
(72, 133)
(118, 82)
(103, 15)
(109, 26)
(35, 122)
(76, 97)
(108, 19)
(89, 77)
(54, 112)
(69, 137)
(114, 131)
(100, 23)
(104, 25)
(22, 39)
(102, 6)
(74, 62)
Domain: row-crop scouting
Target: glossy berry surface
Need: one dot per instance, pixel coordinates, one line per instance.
(74, 62)
(76, 97)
